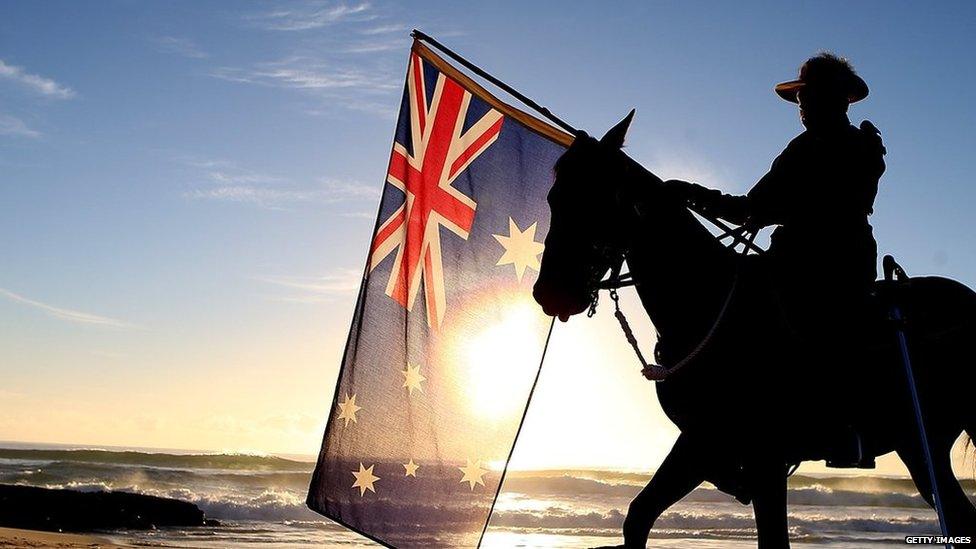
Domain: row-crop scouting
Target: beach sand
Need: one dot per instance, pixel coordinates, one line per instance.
(11, 538)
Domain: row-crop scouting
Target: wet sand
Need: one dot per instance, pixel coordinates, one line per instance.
(11, 538)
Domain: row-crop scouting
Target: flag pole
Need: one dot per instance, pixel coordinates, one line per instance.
(501, 481)
(894, 273)
(418, 35)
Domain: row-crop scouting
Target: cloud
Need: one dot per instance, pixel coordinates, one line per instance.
(207, 163)
(359, 215)
(346, 81)
(343, 189)
(383, 29)
(310, 75)
(10, 125)
(226, 176)
(66, 314)
(317, 289)
(376, 46)
(261, 196)
(179, 46)
(311, 15)
(233, 184)
(40, 84)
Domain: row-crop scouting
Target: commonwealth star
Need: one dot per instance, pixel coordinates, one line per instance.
(521, 249)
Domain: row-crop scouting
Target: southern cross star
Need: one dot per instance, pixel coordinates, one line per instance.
(364, 479)
(348, 409)
(411, 469)
(521, 249)
(413, 378)
(473, 473)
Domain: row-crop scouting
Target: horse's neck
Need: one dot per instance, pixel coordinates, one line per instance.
(680, 269)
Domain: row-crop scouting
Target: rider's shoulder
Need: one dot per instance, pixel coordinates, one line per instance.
(800, 140)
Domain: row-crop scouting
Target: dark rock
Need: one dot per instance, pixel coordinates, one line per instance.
(73, 511)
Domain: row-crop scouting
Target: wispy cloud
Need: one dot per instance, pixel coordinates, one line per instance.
(384, 29)
(179, 46)
(241, 177)
(325, 192)
(66, 314)
(311, 15)
(13, 126)
(225, 172)
(375, 46)
(342, 82)
(221, 180)
(308, 74)
(344, 189)
(317, 289)
(40, 84)
(260, 196)
(359, 215)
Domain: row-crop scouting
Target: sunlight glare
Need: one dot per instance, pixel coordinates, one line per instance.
(502, 359)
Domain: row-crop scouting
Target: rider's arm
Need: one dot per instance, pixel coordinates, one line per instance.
(771, 199)
(734, 208)
(767, 203)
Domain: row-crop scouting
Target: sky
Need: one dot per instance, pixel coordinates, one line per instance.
(187, 191)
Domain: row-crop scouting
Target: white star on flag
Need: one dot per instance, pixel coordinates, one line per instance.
(521, 249)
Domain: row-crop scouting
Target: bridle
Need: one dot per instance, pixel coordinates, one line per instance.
(615, 255)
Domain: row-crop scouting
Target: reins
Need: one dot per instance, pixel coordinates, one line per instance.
(616, 280)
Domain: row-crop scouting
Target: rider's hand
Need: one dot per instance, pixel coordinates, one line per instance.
(682, 190)
(691, 193)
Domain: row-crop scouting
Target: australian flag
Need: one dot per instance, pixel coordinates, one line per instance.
(446, 341)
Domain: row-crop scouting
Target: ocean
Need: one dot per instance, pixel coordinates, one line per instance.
(260, 503)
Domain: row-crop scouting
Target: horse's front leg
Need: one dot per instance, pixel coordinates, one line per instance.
(678, 475)
(767, 478)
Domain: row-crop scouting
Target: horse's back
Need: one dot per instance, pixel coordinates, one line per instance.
(934, 307)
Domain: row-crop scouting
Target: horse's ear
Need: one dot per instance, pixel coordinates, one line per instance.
(615, 136)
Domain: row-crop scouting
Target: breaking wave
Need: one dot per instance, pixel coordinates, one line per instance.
(269, 489)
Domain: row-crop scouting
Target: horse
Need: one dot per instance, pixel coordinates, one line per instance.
(752, 400)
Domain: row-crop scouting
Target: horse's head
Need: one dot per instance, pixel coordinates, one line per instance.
(585, 228)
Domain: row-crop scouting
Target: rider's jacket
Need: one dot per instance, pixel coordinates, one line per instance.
(819, 191)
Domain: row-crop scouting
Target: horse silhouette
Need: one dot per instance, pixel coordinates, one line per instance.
(758, 397)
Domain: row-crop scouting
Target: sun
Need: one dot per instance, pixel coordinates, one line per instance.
(500, 359)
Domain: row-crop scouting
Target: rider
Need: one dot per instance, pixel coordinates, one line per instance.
(819, 192)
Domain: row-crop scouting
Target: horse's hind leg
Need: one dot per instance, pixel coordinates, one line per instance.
(958, 509)
(678, 475)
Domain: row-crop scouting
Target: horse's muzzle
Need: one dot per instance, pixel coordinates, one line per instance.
(557, 301)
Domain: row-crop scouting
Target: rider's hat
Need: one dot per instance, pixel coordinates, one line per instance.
(826, 70)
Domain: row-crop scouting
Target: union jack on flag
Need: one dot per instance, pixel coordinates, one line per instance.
(439, 152)
(445, 342)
